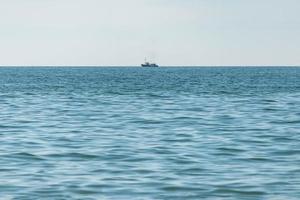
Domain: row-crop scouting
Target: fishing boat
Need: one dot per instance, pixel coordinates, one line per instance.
(148, 64)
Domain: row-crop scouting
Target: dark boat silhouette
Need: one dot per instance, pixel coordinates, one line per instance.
(148, 64)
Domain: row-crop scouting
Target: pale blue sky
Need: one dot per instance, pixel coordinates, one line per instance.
(171, 32)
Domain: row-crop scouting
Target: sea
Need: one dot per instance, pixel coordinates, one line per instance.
(132, 133)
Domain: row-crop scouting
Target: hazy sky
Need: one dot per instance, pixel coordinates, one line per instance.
(171, 32)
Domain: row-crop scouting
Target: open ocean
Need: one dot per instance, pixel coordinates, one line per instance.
(131, 133)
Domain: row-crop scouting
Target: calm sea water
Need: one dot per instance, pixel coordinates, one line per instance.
(136, 133)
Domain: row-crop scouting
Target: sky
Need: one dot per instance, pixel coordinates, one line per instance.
(169, 32)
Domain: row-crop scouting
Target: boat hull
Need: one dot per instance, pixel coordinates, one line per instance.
(149, 65)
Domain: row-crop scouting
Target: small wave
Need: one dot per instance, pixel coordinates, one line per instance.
(286, 122)
(220, 191)
(174, 188)
(269, 100)
(271, 109)
(24, 156)
(258, 159)
(288, 152)
(71, 156)
(145, 121)
(228, 149)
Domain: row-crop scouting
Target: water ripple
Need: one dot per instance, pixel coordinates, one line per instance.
(167, 133)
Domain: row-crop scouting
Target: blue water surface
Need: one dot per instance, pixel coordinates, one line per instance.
(150, 133)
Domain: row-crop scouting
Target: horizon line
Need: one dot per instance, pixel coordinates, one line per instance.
(165, 66)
